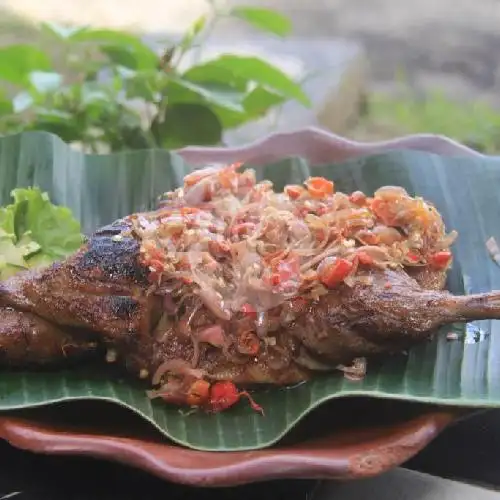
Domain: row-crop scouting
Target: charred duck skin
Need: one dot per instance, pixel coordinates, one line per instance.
(229, 283)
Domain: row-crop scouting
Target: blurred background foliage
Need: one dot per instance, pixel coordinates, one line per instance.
(107, 89)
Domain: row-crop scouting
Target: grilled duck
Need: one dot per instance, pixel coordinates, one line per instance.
(229, 283)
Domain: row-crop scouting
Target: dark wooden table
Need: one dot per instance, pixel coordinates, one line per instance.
(469, 451)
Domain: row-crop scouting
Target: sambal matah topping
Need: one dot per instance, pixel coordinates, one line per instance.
(238, 244)
(230, 284)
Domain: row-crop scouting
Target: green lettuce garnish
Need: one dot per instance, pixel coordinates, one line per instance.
(34, 232)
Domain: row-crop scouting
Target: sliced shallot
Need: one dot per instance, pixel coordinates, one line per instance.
(178, 367)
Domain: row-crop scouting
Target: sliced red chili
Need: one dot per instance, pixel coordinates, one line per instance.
(243, 228)
(413, 256)
(332, 274)
(248, 310)
(382, 210)
(440, 260)
(274, 279)
(224, 394)
(319, 187)
(294, 191)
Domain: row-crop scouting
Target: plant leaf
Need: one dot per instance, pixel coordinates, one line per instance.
(264, 19)
(254, 69)
(57, 122)
(459, 373)
(17, 62)
(120, 47)
(52, 227)
(33, 231)
(256, 104)
(122, 56)
(260, 100)
(143, 85)
(194, 30)
(211, 73)
(222, 81)
(189, 123)
(6, 105)
(59, 31)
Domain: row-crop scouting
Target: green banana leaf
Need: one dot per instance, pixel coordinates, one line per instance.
(99, 189)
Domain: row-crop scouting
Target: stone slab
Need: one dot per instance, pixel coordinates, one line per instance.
(403, 484)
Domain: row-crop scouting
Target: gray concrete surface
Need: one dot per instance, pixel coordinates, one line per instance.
(403, 484)
(445, 43)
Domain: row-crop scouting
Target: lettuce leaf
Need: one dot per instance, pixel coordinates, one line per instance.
(34, 232)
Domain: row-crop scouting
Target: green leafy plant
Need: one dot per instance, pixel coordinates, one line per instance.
(474, 123)
(35, 232)
(114, 92)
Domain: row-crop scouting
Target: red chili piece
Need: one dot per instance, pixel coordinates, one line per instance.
(335, 273)
(248, 310)
(365, 258)
(225, 394)
(440, 260)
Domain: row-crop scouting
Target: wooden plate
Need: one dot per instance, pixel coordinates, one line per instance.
(345, 439)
